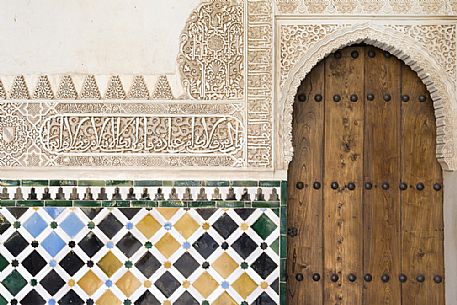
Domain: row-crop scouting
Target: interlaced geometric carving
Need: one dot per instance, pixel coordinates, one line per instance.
(212, 51)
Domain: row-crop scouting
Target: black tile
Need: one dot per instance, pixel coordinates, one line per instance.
(147, 299)
(244, 213)
(186, 264)
(34, 298)
(167, 284)
(52, 282)
(110, 225)
(34, 263)
(71, 263)
(91, 244)
(205, 245)
(17, 212)
(264, 265)
(91, 212)
(244, 246)
(16, 243)
(206, 213)
(4, 224)
(130, 212)
(129, 244)
(275, 286)
(71, 298)
(264, 299)
(186, 299)
(225, 226)
(148, 264)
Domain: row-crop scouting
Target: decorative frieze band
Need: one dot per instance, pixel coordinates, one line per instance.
(83, 87)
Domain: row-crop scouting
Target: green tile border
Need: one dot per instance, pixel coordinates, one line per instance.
(35, 183)
(10, 183)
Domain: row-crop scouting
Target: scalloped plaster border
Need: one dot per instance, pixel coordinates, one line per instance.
(440, 86)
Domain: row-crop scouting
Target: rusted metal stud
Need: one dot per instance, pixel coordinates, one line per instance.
(318, 98)
(385, 186)
(420, 278)
(337, 98)
(387, 97)
(301, 98)
(387, 54)
(352, 277)
(371, 53)
(370, 96)
(337, 54)
(334, 278)
(368, 185)
(334, 185)
(300, 185)
(385, 278)
(403, 186)
(403, 278)
(354, 98)
(316, 277)
(438, 279)
(354, 54)
(368, 277)
(420, 186)
(299, 277)
(437, 187)
(405, 98)
(351, 186)
(422, 98)
(292, 231)
(317, 185)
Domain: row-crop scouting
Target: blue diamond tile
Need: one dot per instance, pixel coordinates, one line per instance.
(72, 225)
(54, 212)
(53, 244)
(35, 225)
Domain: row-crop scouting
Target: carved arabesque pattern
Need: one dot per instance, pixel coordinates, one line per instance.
(211, 59)
(402, 46)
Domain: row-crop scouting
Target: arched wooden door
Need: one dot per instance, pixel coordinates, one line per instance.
(365, 200)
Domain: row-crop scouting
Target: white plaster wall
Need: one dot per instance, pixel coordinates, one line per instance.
(450, 236)
(91, 36)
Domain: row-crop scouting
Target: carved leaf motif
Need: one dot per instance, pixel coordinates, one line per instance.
(162, 89)
(43, 89)
(90, 89)
(115, 89)
(2, 91)
(19, 89)
(138, 90)
(67, 89)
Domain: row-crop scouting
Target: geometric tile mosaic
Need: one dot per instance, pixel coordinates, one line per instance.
(139, 256)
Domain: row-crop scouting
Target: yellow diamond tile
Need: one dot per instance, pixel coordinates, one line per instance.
(205, 284)
(148, 226)
(167, 245)
(109, 264)
(167, 213)
(225, 265)
(108, 298)
(244, 285)
(90, 283)
(186, 226)
(128, 284)
(224, 299)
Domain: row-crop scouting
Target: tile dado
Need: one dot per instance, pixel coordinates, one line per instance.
(113, 256)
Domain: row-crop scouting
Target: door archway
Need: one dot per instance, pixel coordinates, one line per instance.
(365, 201)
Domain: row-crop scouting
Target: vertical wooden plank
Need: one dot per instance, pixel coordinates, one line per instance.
(381, 165)
(305, 204)
(344, 124)
(422, 211)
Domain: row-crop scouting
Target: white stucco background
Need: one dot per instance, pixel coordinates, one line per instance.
(97, 37)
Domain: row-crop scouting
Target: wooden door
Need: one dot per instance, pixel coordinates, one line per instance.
(365, 198)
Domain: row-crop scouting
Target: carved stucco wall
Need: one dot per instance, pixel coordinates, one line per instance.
(229, 103)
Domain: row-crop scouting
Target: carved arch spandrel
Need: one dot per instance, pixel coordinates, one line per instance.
(440, 86)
